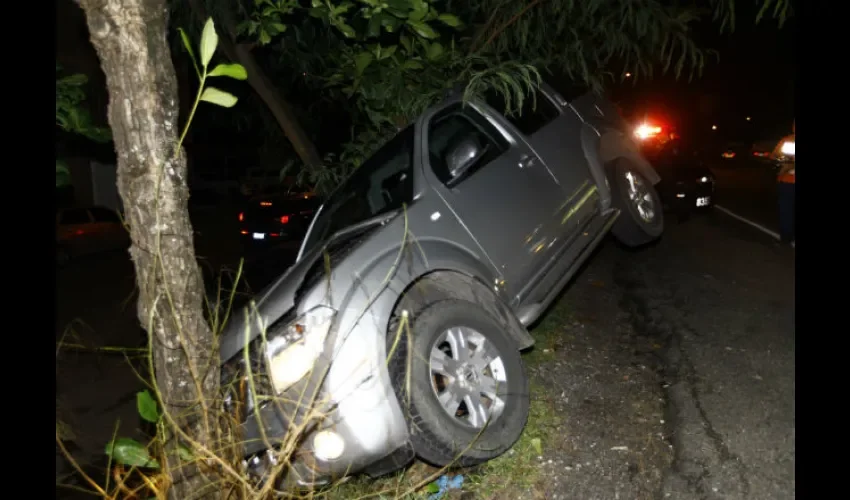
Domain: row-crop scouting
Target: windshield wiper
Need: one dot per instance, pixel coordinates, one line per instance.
(361, 227)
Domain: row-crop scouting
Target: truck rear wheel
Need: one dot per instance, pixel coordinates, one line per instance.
(641, 214)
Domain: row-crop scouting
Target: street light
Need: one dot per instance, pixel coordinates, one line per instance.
(628, 75)
(749, 119)
(714, 127)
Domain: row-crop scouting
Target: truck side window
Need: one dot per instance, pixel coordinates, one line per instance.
(457, 123)
(536, 112)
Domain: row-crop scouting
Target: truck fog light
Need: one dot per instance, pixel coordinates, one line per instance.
(328, 445)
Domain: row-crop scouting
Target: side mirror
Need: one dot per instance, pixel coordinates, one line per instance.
(462, 155)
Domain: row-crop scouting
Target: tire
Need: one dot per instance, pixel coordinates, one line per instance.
(633, 228)
(437, 437)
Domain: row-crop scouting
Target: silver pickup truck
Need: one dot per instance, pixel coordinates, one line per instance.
(397, 333)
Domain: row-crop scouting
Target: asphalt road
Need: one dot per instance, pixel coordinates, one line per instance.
(672, 368)
(748, 189)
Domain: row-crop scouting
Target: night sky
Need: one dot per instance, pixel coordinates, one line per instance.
(753, 75)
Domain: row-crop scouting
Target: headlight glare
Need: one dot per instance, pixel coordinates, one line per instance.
(293, 352)
(788, 148)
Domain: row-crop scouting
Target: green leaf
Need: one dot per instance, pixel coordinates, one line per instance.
(362, 61)
(342, 8)
(265, 38)
(130, 452)
(374, 28)
(209, 42)
(422, 29)
(420, 8)
(218, 97)
(388, 51)
(235, 71)
(450, 20)
(63, 175)
(185, 453)
(390, 23)
(146, 404)
(405, 42)
(432, 488)
(317, 12)
(537, 445)
(187, 43)
(412, 64)
(435, 51)
(346, 30)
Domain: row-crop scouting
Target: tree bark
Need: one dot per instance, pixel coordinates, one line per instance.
(263, 86)
(130, 39)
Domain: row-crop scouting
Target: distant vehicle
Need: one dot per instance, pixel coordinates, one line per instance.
(734, 150)
(762, 149)
(687, 184)
(88, 230)
(465, 227)
(277, 217)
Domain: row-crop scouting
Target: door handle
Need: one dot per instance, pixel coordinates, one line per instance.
(526, 161)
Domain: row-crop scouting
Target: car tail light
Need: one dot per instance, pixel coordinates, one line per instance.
(265, 203)
(241, 216)
(284, 219)
(243, 232)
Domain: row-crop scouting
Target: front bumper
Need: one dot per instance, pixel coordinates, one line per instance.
(359, 414)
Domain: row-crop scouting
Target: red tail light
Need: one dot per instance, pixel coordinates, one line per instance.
(241, 216)
(284, 219)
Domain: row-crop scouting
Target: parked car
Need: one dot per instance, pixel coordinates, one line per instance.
(277, 217)
(88, 230)
(458, 233)
(687, 183)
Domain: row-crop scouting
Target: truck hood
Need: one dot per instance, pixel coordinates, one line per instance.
(280, 297)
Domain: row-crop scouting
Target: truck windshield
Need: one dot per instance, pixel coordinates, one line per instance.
(383, 183)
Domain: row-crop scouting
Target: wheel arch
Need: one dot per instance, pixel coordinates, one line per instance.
(448, 283)
(613, 144)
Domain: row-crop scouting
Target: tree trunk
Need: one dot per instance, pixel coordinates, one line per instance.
(263, 86)
(281, 110)
(130, 39)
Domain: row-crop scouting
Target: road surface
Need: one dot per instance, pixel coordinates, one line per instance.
(748, 189)
(671, 368)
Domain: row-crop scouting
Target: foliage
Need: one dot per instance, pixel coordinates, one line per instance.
(72, 116)
(389, 61)
(63, 174)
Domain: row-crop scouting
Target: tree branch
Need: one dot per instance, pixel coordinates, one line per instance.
(510, 21)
